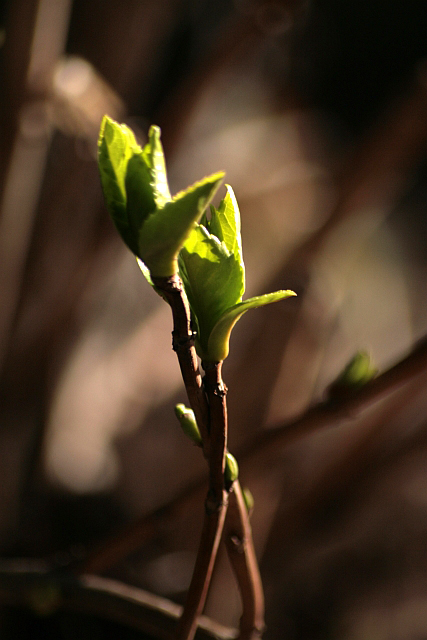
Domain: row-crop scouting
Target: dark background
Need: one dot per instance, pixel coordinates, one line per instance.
(317, 111)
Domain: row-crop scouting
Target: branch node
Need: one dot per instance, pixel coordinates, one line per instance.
(238, 543)
(180, 342)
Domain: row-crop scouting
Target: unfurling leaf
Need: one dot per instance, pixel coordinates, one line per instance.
(212, 270)
(220, 334)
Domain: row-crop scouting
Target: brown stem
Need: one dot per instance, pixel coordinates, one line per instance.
(183, 344)
(215, 506)
(238, 539)
(218, 426)
(24, 581)
(211, 416)
(202, 573)
(214, 437)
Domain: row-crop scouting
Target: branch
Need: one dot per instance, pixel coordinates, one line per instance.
(322, 415)
(332, 413)
(238, 539)
(211, 416)
(215, 506)
(24, 582)
(202, 573)
(172, 291)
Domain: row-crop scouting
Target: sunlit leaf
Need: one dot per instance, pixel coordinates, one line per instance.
(218, 344)
(212, 279)
(139, 192)
(145, 271)
(153, 154)
(164, 232)
(225, 224)
(116, 145)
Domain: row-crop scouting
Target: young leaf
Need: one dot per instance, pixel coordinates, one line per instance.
(218, 343)
(164, 232)
(139, 192)
(116, 146)
(153, 155)
(213, 280)
(225, 225)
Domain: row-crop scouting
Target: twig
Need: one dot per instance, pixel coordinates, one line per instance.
(24, 582)
(215, 506)
(331, 414)
(210, 408)
(238, 539)
(183, 344)
(202, 574)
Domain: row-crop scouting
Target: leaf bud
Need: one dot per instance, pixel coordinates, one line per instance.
(188, 423)
(249, 500)
(231, 471)
(355, 375)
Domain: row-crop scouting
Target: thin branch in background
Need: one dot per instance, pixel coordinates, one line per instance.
(238, 539)
(28, 157)
(321, 416)
(28, 581)
(351, 461)
(374, 178)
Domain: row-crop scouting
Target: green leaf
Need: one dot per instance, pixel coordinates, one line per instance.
(134, 181)
(225, 225)
(165, 231)
(218, 344)
(139, 191)
(155, 159)
(116, 146)
(145, 271)
(213, 281)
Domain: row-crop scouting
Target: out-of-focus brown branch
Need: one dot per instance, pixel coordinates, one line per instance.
(238, 539)
(323, 415)
(24, 583)
(373, 179)
(367, 450)
(249, 25)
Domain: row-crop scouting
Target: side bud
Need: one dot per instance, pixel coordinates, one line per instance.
(231, 471)
(188, 423)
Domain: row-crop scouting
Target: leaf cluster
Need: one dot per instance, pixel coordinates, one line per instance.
(173, 236)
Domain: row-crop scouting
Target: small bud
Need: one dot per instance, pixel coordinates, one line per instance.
(231, 472)
(355, 375)
(188, 423)
(249, 500)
